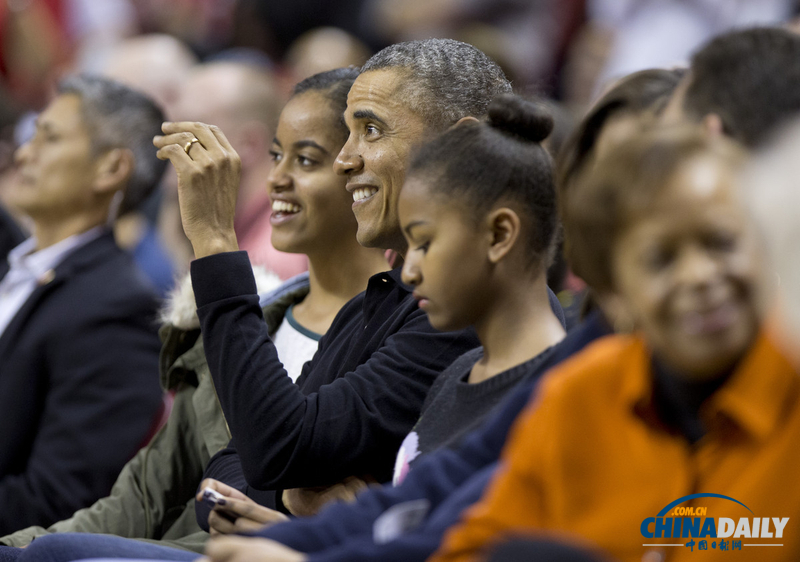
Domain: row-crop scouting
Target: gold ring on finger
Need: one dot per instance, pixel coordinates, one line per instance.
(188, 146)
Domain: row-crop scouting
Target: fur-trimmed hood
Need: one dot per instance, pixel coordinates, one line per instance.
(180, 309)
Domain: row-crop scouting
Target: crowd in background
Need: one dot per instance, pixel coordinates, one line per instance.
(465, 288)
(566, 51)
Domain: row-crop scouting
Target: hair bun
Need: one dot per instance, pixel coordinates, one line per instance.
(524, 118)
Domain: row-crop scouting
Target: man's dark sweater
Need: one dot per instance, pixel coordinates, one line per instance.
(449, 480)
(355, 400)
(454, 407)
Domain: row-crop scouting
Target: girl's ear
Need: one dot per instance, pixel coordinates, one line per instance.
(504, 230)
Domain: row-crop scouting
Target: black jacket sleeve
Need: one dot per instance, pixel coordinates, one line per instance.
(351, 426)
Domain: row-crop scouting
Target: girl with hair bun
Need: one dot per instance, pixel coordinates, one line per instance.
(478, 209)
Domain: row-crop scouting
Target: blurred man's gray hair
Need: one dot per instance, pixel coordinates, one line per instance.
(118, 117)
(447, 79)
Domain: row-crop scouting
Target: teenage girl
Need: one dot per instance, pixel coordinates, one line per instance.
(478, 210)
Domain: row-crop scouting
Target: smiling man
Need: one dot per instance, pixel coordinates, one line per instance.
(406, 93)
(78, 349)
(383, 131)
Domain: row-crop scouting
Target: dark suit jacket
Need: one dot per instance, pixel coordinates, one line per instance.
(79, 387)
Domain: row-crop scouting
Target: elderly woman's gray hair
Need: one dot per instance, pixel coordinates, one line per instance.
(118, 117)
(446, 79)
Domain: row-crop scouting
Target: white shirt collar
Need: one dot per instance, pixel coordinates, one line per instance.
(38, 263)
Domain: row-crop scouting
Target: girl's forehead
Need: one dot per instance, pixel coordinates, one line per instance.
(417, 185)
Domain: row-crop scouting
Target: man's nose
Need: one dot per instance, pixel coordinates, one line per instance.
(348, 160)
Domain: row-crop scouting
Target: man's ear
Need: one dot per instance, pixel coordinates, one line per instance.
(712, 124)
(114, 168)
(504, 230)
(465, 120)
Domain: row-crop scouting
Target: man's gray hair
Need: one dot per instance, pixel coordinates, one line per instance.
(118, 117)
(448, 79)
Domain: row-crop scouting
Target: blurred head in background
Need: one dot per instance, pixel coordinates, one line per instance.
(743, 84)
(323, 49)
(156, 64)
(91, 153)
